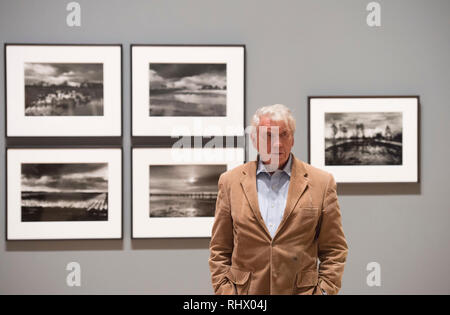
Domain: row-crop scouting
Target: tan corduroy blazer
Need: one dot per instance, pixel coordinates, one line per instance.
(245, 259)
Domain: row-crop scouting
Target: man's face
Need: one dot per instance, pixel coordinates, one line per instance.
(274, 141)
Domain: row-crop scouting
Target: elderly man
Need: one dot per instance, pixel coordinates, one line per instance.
(276, 218)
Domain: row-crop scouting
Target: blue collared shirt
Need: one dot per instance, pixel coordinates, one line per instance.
(272, 193)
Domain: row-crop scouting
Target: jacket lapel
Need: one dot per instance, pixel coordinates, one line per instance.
(248, 183)
(297, 186)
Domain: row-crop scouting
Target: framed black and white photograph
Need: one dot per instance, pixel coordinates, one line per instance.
(64, 193)
(63, 90)
(188, 90)
(175, 190)
(365, 139)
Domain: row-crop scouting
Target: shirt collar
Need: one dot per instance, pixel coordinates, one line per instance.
(287, 167)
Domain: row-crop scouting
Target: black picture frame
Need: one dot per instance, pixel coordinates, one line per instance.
(7, 148)
(20, 140)
(352, 97)
(145, 146)
(166, 141)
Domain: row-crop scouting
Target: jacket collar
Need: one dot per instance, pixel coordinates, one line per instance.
(287, 167)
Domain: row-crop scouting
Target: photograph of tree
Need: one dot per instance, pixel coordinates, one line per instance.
(363, 138)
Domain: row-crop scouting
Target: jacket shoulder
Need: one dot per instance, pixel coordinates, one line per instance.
(235, 173)
(317, 174)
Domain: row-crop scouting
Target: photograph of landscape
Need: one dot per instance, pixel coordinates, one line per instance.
(363, 138)
(187, 89)
(184, 190)
(63, 89)
(64, 192)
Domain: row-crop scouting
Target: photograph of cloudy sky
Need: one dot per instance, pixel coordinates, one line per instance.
(64, 192)
(187, 89)
(63, 89)
(184, 190)
(363, 138)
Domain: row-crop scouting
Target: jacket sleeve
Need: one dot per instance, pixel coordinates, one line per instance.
(332, 246)
(221, 245)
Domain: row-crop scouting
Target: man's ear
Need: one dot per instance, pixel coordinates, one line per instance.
(293, 138)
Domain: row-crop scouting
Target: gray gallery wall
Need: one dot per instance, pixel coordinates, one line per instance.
(294, 49)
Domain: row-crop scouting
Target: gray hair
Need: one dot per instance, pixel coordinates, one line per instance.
(275, 112)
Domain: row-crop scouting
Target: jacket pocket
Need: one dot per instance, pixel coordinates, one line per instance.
(306, 282)
(240, 280)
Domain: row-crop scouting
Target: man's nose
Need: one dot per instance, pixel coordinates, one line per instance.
(276, 147)
(276, 141)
